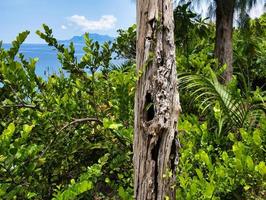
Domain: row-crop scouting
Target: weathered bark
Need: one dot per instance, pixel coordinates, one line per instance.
(156, 102)
(224, 31)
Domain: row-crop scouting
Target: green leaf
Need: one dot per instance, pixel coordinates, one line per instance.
(148, 106)
(194, 188)
(8, 132)
(217, 111)
(17, 43)
(199, 173)
(30, 195)
(123, 193)
(256, 137)
(261, 168)
(2, 192)
(209, 190)
(72, 181)
(238, 164)
(110, 124)
(26, 130)
(250, 163)
(183, 182)
(244, 134)
(107, 180)
(239, 149)
(115, 126)
(225, 157)
(84, 186)
(232, 137)
(246, 187)
(2, 158)
(205, 158)
(220, 172)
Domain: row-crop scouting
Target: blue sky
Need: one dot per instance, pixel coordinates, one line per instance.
(66, 17)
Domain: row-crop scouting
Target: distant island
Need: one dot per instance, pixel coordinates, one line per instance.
(94, 36)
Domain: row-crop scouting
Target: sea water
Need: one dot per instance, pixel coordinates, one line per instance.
(48, 62)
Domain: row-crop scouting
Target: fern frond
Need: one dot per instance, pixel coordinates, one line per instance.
(237, 111)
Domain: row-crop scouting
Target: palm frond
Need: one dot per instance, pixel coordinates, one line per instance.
(237, 111)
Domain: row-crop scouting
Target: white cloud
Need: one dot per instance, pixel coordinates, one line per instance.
(63, 27)
(104, 23)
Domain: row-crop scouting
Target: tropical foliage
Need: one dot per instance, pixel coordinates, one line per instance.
(69, 136)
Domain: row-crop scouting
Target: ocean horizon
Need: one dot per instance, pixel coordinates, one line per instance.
(48, 62)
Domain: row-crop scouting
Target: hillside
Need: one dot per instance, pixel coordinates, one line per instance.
(80, 39)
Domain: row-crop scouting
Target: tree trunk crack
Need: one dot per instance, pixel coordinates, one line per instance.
(155, 153)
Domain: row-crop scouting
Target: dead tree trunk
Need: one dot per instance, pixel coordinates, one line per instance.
(224, 31)
(156, 102)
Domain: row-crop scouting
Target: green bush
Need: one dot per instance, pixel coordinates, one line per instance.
(70, 136)
(54, 131)
(209, 170)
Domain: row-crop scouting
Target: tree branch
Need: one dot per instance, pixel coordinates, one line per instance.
(22, 105)
(75, 121)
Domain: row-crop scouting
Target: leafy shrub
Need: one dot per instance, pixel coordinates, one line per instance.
(70, 136)
(53, 129)
(209, 170)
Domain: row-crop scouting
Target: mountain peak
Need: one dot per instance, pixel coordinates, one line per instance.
(96, 37)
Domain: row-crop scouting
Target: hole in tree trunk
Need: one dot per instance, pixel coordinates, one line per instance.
(149, 108)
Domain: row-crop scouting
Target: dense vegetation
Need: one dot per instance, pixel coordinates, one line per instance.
(70, 136)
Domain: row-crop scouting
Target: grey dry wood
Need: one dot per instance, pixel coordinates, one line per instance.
(156, 103)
